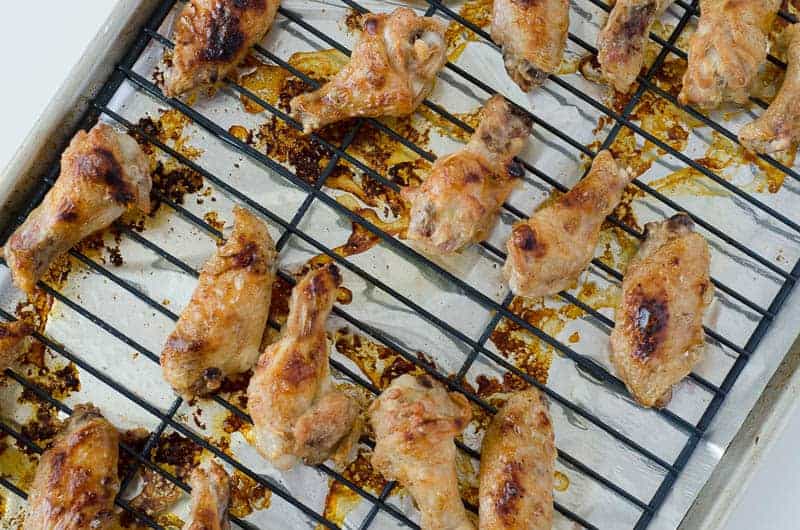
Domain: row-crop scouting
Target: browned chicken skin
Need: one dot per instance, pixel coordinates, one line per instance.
(518, 458)
(297, 411)
(211, 492)
(76, 479)
(392, 70)
(547, 252)
(15, 339)
(219, 332)
(622, 42)
(533, 34)
(658, 336)
(726, 51)
(212, 37)
(416, 421)
(103, 173)
(458, 202)
(778, 128)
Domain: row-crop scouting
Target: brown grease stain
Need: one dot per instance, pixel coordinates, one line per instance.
(247, 495)
(341, 500)
(561, 481)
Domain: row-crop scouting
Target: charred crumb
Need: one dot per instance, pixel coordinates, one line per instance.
(136, 439)
(176, 450)
(42, 427)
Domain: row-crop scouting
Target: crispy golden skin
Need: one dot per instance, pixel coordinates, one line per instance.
(416, 421)
(658, 335)
(297, 411)
(391, 71)
(211, 493)
(547, 252)
(622, 42)
(103, 173)
(212, 37)
(458, 202)
(15, 339)
(76, 480)
(726, 51)
(533, 35)
(219, 332)
(518, 458)
(778, 128)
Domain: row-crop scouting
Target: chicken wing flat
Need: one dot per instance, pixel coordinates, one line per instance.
(533, 35)
(458, 202)
(76, 480)
(392, 70)
(658, 336)
(219, 332)
(547, 252)
(15, 339)
(297, 411)
(778, 128)
(726, 51)
(416, 421)
(518, 459)
(103, 173)
(211, 493)
(622, 42)
(212, 37)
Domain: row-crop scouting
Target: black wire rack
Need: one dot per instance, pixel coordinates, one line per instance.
(478, 348)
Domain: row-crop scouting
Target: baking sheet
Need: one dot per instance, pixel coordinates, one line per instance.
(576, 435)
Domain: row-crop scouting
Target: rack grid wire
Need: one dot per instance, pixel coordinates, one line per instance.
(315, 192)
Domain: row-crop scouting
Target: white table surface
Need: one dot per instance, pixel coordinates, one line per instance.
(36, 61)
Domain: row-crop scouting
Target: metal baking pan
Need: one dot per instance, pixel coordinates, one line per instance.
(117, 63)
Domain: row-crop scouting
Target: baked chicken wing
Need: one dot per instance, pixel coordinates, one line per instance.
(458, 202)
(415, 422)
(726, 51)
(103, 173)
(211, 39)
(297, 411)
(658, 335)
(15, 338)
(211, 492)
(391, 71)
(547, 252)
(219, 332)
(622, 42)
(778, 128)
(533, 34)
(518, 458)
(76, 479)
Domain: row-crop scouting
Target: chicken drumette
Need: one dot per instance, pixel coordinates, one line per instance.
(518, 458)
(547, 252)
(622, 42)
(658, 335)
(778, 128)
(297, 411)
(15, 339)
(392, 69)
(219, 332)
(533, 35)
(212, 37)
(103, 173)
(458, 202)
(727, 50)
(76, 480)
(211, 493)
(416, 421)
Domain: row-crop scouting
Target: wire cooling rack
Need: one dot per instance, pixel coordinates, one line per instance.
(476, 346)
